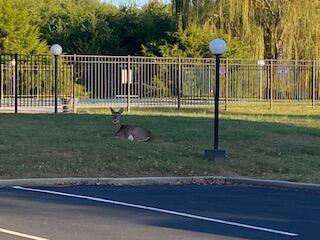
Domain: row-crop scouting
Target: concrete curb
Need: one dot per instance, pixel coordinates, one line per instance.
(136, 181)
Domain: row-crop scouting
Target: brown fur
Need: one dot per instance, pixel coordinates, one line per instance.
(133, 133)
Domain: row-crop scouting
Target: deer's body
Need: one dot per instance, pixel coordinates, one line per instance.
(132, 133)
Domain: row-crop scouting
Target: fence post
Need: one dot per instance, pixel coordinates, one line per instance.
(179, 83)
(209, 82)
(16, 83)
(313, 84)
(296, 90)
(226, 85)
(271, 83)
(1, 82)
(74, 83)
(128, 84)
(260, 82)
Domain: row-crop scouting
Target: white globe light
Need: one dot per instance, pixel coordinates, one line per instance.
(13, 62)
(261, 63)
(217, 46)
(56, 49)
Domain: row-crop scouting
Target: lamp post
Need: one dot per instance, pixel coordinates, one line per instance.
(217, 47)
(56, 50)
(261, 64)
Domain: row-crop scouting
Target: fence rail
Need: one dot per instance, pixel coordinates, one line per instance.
(127, 81)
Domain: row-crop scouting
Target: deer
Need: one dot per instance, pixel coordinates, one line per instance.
(132, 133)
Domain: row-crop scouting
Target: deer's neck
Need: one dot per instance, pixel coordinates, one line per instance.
(116, 127)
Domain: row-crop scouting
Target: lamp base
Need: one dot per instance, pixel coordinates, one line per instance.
(215, 154)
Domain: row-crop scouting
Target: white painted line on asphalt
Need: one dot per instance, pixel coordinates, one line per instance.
(9, 232)
(160, 210)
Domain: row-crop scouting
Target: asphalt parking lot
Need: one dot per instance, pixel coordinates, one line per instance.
(158, 212)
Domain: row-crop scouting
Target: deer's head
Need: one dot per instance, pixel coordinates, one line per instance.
(116, 116)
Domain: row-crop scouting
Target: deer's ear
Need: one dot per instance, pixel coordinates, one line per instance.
(121, 110)
(112, 111)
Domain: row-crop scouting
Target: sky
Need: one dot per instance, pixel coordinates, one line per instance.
(125, 2)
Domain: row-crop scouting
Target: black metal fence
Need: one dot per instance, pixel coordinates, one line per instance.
(27, 82)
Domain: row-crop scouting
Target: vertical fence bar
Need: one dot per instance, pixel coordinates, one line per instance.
(26, 86)
(313, 84)
(260, 81)
(16, 83)
(74, 79)
(179, 83)
(271, 82)
(317, 85)
(1, 82)
(128, 84)
(226, 85)
(209, 82)
(96, 79)
(296, 90)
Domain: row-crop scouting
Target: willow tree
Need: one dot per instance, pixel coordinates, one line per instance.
(232, 18)
(181, 9)
(272, 29)
(238, 19)
(302, 34)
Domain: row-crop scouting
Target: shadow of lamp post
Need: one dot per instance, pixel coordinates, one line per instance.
(56, 50)
(217, 47)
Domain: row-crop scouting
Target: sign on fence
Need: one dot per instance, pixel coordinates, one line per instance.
(124, 76)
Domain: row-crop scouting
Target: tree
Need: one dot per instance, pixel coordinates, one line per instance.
(17, 33)
(181, 9)
(81, 26)
(146, 28)
(279, 29)
(271, 29)
(193, 42)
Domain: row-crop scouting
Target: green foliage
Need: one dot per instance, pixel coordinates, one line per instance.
(157, 87)
(193, 42)
(139, 29)
(17, 33)
(81, 27)
(252, 28)
(279, 29)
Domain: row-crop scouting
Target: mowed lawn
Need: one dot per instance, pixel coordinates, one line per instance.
(279, 144)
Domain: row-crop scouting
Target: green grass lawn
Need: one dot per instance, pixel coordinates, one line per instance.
(279, 144)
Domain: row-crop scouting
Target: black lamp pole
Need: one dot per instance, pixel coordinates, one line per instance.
(216, 104)
(216, 153)
(55, 84)
(16, 87)
(56, 50)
